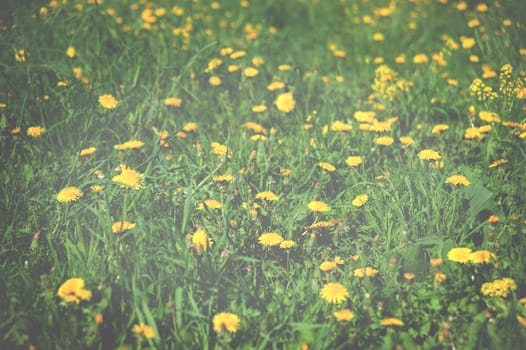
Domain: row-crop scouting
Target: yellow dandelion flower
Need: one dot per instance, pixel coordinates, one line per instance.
(481, 257)
(439, 128)
(173, 101)
(35, 131)
(275, 85)
(384, 141)
(467, 42)
(190, 126)
(122, 226)
(420, 58)
(226, 321)
(334, 293)
(259, 108)
(406, 141)
(340, 126)
(129, 178)
(257, 128)
(318, 206)
(322, 224)
(214, 80)
(378, 37)
(270, 239)
(108, 101)
(132, 144)
(224, 178)
(218, 149)
(72, 291)
(258, 137)
(338, 260)
(365, 272)
(144, 330)
(70, 52)
(69, 194)
(200, 241)
(250, 72)
(96, 188)
(287, 244)
(497, 163)
(267, 195)
(339, 53)
(285, 102)
(521, 320)
(212, 204)
(458, 180)
(460, 255)
(87, 151)
(327, 166)
(473, 133)
(365, 116)
(353, 161)
(344, 315)
(428, 154)
(489, 117)
(360, 200)
(237, 54)
(284, 67)
(327, 266)
(391, 321)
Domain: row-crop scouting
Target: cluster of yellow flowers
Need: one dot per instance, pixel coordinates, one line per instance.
(386, 83)
(482, 91)
(499, 287)
(509, 87)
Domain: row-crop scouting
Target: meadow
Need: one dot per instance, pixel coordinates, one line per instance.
(302, 174)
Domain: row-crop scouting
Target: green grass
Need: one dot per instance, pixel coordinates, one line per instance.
(153, 274)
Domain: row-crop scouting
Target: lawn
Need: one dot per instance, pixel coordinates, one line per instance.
(246, 174)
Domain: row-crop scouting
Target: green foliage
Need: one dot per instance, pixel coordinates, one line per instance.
(207, 157)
